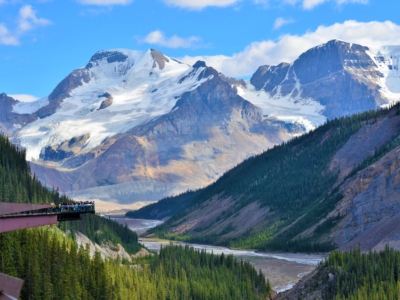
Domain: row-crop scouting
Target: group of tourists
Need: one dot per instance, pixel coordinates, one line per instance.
(73, 206)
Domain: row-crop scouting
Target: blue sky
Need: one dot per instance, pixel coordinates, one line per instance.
(42, 41)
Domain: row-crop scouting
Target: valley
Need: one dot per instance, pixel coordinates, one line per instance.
(283, 270)
(318, 208)
(199, 150)
(301, 158)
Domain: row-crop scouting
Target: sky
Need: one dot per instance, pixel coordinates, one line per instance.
(42, 41)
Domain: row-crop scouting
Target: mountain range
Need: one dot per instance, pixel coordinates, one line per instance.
(138, 126)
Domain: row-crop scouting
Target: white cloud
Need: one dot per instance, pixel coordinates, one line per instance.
(24, 97)
(6, 37)
(289, 47)
(310, 4)
(157, 37)
(279, 22)
(352, 1)
(104, 2)
(96, 11)
(27, 21)
(200, 4)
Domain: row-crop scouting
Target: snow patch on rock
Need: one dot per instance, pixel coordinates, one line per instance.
(30, 107)
(304, 111)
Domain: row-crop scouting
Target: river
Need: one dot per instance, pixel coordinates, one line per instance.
(282, 269)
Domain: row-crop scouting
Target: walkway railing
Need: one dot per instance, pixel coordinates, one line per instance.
(64, 211)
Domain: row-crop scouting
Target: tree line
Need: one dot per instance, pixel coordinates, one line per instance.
(358, 275)
(53, 267)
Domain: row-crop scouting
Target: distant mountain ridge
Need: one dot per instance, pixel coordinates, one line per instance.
(138, 126)
(340, 78)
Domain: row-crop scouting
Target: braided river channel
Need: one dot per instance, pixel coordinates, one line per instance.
(283, 270)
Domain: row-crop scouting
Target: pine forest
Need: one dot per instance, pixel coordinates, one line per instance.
(53, 267)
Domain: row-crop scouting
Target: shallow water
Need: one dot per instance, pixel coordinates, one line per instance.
(282, 269)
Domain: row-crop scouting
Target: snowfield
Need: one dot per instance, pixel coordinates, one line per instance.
(306, 112)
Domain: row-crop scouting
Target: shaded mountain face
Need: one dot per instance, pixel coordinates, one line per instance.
(343, 78)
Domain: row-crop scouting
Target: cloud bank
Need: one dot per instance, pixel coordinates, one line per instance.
(289, 47)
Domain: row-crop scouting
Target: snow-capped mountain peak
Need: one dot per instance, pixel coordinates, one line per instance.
(116, 91)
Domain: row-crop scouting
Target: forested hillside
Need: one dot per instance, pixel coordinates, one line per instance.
(19, 186)
(52, 266)
(269, 201)
(352, 275)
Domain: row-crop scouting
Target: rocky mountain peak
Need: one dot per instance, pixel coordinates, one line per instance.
(341, 77)
(7, 100)
(159, 59)
(233, 81)
(268, 77)
(326, 59)
(199, 64)
(110, 56)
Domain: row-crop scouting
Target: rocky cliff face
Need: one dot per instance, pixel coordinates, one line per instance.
(371, 206)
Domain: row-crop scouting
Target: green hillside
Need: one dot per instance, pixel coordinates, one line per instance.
(291, 182)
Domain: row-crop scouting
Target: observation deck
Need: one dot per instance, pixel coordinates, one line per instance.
(14, 216)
